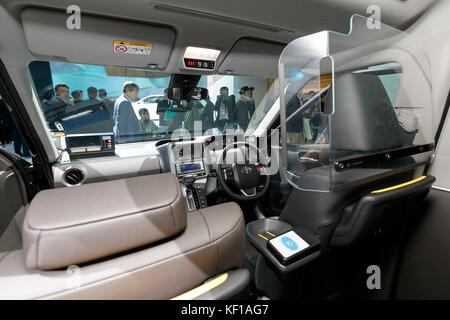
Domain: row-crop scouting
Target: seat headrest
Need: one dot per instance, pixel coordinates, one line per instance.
(81, 224)
(364, 119)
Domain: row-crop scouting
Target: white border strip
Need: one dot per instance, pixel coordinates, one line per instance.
(440, 188)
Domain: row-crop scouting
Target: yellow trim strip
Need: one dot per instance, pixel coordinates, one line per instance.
(262, 237)
(129, 43)
(270, 234)
(204, 288)
(400, 185)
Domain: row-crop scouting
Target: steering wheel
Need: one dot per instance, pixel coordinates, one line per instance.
(245, 181)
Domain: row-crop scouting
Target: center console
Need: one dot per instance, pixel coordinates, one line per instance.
(186, 159)
(287, 248)
(188, 165)
(193, 168)
(284, 252)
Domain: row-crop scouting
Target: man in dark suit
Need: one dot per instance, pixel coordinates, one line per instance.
(224, 107)
(193, 113)
(56, 108)
(107, 101)
(208, 115)
(62, 93)
(245, 107)
(126, 125)
(161, 108)
(78, 104)
(294, 126)
(93, 98)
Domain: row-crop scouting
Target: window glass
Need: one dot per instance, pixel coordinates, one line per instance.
(133, 103)
(306, 127)
(391, 83)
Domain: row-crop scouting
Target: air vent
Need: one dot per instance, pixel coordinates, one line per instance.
(74, 177)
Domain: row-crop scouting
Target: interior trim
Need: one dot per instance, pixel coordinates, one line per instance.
(25, 125)
(439, 129)
(442, 121)
(204, 288)
(399, 185)
(261, 236)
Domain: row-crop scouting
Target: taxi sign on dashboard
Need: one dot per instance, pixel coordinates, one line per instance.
(127, 47)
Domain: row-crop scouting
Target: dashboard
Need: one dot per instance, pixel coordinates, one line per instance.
(193, 161)
(194, 158)
(188, 159)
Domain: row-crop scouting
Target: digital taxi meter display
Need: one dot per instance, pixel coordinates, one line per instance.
(200, 58)
(90, 145)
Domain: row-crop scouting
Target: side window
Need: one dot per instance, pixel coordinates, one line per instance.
(10, 136)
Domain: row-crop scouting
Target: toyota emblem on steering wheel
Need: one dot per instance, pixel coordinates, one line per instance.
(246, 170)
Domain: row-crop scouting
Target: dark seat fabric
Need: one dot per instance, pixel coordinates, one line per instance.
(377, 211)
(364, 119)
(363, 122)
(321, 212)
(349, 217)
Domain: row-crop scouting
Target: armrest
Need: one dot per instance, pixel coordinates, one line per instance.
(261, 231)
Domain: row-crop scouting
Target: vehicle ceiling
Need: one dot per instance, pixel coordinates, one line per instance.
(219, 24)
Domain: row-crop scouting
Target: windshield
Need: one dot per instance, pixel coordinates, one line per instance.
(133, 103)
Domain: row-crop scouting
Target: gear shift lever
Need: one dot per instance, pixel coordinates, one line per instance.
(188, 183)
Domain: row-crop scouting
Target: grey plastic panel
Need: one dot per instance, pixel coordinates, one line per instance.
(108, 168)
(12, 194)
(253, 58)
(47, 35)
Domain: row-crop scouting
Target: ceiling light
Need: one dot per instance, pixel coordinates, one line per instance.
(201, 53)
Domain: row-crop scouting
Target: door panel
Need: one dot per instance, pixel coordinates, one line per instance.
(13, 201)
(423, 272)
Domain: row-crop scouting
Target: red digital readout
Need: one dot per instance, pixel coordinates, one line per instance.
(199, 64)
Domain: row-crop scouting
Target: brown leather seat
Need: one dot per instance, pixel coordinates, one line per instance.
(178, 254)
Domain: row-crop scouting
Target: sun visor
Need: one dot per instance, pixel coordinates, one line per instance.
(98, 41)
(340, 124)
(253, 57)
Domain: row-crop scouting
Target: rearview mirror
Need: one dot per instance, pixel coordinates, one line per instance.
(183, 93)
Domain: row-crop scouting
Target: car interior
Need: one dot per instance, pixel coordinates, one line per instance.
(173, 150)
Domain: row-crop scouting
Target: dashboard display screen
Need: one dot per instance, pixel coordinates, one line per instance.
(185, 167)
(83, 141)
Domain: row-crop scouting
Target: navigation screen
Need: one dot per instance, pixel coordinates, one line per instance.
(189, 167)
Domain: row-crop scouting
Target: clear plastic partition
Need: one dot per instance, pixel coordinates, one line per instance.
(353, 105)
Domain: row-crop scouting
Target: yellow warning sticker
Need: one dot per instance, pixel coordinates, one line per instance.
(128, 47)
